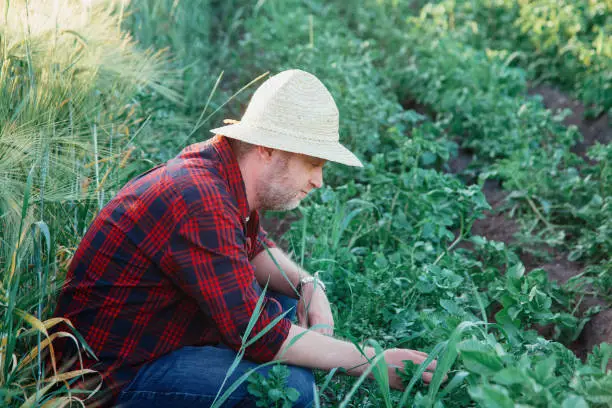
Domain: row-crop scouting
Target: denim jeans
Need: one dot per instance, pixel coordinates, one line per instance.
(191, 377)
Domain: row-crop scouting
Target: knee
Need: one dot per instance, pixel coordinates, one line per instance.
(302, 379)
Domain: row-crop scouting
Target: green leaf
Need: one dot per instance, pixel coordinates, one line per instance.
(292, 394)
(509, 325)
(450, 306)
(492, 396)
(516, 271)
(479, 358)
(381, 373)
(545, 369)
(275, 394)
(454, 383)
(509, 376)
(253, 389)
(574, 401)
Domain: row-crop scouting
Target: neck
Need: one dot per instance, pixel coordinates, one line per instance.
(249, 176)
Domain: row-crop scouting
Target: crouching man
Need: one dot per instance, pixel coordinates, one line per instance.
(166, 280)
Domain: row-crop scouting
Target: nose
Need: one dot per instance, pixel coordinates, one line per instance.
(316, 178)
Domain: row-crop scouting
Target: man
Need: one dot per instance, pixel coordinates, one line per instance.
(167, 280)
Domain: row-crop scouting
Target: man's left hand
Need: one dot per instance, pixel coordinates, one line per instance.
(314, 309)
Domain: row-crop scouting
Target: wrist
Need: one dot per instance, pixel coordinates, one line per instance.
(364, 357)
(313, 281)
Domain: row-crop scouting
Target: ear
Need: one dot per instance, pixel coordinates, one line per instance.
(265, 153)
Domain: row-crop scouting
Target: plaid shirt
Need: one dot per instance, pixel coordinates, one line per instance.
(166, 264)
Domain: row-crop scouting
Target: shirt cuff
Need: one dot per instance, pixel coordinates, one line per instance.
(268, 346)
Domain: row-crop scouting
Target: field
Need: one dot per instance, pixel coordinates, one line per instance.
(479, 230)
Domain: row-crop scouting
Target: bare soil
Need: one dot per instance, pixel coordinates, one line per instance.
(592, 130)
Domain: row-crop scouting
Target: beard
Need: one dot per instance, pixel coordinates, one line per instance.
(274, 193)
(277, 198)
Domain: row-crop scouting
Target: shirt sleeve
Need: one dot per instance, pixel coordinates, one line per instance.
(262, 241)
(210, 263)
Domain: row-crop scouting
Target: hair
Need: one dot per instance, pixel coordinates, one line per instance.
(240, 148)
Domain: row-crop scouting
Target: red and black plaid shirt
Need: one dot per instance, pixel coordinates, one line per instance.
(166, 264)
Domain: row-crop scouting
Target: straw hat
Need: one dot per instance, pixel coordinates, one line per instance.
(294, 112)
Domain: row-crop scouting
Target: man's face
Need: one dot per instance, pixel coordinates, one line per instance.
(288, 179)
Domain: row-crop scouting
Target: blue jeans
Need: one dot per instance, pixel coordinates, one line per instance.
(191, 377)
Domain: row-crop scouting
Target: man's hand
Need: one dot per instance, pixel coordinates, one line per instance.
(395, 359)
(313, 309)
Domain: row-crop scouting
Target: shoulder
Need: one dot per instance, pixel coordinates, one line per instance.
(197, 178)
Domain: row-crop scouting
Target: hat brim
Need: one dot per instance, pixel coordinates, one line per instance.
(333, 151)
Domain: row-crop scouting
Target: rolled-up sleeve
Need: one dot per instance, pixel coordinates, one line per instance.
(210, 263)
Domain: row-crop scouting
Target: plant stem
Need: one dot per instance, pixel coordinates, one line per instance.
(455, 242)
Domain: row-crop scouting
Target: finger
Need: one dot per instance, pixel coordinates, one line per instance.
(302, 319)
(433, 365)
(427, 377)
(420, 357)
(396, 383)
(416, 358)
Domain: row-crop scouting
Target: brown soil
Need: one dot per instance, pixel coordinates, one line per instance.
(592, 130)
(598, 330)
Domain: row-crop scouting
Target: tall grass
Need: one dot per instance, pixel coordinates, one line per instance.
(193, 33)
(69, 85)
(67, 78)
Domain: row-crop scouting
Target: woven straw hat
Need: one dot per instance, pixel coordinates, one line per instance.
(294, 112)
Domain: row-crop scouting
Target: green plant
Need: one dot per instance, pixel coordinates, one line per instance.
(272, 390)
(528, 299)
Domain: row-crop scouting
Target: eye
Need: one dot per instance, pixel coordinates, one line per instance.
(317, 163)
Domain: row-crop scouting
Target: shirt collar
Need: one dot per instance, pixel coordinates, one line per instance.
(232, 173)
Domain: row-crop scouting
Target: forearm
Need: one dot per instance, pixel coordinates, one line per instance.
(315, 350)
(266, 271)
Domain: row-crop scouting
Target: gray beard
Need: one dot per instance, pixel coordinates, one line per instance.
(275, 199)
(271, 196)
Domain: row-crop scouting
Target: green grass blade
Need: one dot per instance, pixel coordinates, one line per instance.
(447, 360)
(221, 399)
(359, 381)
(420, 370)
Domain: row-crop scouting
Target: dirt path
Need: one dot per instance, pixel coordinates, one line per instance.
(596, 130)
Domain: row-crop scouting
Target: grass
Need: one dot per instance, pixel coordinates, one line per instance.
(67, 81)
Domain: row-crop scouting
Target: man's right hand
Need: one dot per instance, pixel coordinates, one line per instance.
(395, 359)
(314, 350)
